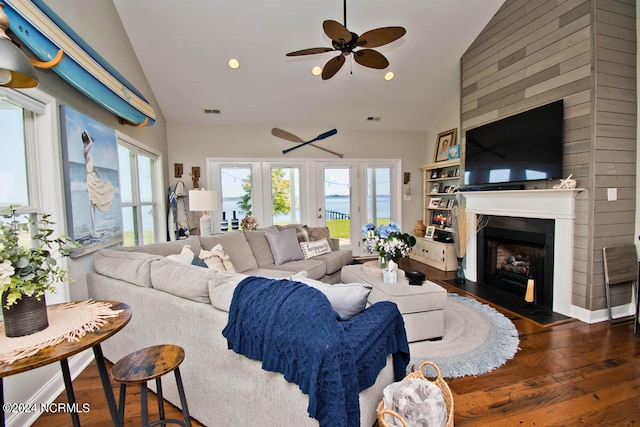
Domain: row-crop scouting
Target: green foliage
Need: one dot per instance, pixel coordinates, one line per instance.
(280, 194)
(245, 200)
(30, 270)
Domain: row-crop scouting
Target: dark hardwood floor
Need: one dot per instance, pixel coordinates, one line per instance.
(565, 374)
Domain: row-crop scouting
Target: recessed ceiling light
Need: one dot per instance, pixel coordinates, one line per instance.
(233, 63)
(389, 76)
(316, 71)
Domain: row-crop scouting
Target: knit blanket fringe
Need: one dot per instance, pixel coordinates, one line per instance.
(68, 321)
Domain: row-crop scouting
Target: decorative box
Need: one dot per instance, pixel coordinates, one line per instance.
(415, 277)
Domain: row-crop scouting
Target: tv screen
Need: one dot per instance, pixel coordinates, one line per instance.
(525, 147)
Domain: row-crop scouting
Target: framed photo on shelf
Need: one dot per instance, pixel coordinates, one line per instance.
(434, 202)
(446, 189)
(435, 188)
(444, 174)
(435, 173)
(444, 141)
(430, 231)
(443, 204)
(450, 204)
(439, 218)
(457, 172)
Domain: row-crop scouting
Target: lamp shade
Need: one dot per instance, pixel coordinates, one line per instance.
(202, 200)
(15, 69)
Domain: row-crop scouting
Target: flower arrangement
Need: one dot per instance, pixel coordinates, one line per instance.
(387, 239)
(249, 223)
(25, 270)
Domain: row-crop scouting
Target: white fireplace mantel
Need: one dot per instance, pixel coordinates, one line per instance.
(558, 205)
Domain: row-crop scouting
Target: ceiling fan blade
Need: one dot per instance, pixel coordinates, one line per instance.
(336, 31)
(317, 138)
(285, 135)
(332, 67)
(311, 51)
(380, 36)
(370, 58)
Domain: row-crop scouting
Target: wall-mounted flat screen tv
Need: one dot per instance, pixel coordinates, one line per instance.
(527, 146)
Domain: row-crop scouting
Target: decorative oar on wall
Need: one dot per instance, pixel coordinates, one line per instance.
(288, 136)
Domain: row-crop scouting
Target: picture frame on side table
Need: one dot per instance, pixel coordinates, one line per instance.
(444, 141)
(430, 232)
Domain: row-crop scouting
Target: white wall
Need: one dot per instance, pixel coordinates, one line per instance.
(192, 144)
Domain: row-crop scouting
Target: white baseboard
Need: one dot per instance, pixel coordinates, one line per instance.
(602, 315)
(50, 391)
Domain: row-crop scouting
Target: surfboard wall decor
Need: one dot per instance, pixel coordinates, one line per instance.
(46, 34)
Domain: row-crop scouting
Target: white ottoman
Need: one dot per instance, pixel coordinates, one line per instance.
(422, 307)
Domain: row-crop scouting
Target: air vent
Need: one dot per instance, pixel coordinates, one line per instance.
(373, 119)
(211, 111)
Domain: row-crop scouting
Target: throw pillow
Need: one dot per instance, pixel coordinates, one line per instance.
(217, 259)
(317, 233)
(184, 257)
(347, 299)
(198, 262)
(312, 249)
(302, 233)
(284, 246)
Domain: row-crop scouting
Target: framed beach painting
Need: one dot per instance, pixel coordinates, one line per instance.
(92, 186)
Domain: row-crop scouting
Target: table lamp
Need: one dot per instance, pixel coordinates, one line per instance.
(204, 201)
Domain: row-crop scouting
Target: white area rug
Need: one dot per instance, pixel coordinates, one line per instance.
(477, 339)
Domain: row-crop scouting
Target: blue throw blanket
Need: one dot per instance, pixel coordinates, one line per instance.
(292, 329)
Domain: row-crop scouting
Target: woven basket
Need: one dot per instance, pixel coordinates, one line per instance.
(442, 385)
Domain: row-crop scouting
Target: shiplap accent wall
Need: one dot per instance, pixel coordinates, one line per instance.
(582, 51)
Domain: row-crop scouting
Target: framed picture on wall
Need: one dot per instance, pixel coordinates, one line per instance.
(444, 141)
(92, 185)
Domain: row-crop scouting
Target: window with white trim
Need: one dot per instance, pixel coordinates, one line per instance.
(139, 172)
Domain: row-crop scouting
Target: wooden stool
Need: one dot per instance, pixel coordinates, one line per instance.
(145, 365)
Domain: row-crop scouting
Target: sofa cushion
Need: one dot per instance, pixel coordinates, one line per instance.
(335, 260)
(316, 269)
(183, 280)
(347, 299)
(284, 246)
(313, 249)
(132, 267)
(260, 247)
(217, 259)
(166, 248)
(221, 288)
(234, 244)
(317, 233)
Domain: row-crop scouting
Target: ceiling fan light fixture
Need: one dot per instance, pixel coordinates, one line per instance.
(233, 63)
(389, 76)
(316, 71)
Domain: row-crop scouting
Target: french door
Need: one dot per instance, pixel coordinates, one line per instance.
(351, 194)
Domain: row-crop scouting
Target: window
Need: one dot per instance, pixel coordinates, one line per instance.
(236, 192)
(138, 174)
(31, 166)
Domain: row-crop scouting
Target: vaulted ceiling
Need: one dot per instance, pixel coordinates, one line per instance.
(183, 48)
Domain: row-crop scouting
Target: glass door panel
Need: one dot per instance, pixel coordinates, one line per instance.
(285, 195)
(236, 193)
(337, 203)
(378, 195)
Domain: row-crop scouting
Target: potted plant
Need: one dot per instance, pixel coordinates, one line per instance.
(27, 272)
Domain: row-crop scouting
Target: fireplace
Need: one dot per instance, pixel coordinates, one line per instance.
(514, 253)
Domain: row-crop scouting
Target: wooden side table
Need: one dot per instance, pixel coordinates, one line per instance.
(61, 352)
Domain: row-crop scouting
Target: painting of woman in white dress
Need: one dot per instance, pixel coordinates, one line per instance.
(90, 152)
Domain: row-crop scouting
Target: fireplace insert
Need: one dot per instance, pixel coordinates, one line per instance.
(514, 253)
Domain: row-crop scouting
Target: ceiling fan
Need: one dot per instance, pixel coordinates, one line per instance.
(293, 138)
(346, 41)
